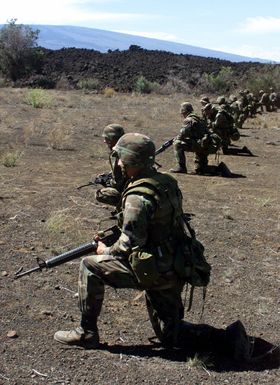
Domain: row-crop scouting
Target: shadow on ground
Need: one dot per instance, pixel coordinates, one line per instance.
(266, 356)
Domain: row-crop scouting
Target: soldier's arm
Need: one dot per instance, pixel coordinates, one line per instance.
(185, 131)
(137, 214)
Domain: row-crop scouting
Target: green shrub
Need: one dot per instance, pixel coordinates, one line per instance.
(268, 77)
(38, 98)
(10, 159)
(220, 82)
(143, 86)
(89, 84)
(17, 54)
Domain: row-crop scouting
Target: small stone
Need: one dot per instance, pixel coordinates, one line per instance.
(46, 312)
(4, 273)
(12, 334)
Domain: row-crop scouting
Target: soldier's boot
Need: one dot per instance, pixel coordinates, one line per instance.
(238, 342)
(79, 337)
(182, 169)
(246, 150)
(223, 170)
(225, 150)
(86, 334)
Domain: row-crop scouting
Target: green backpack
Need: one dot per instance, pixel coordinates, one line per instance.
(190, 262)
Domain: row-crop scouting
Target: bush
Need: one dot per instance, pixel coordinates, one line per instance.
(268, 77)
(10, 159)
(17, 54)
(220, 82)
(109, 92)
(38, 98)
(143, 86)
(89, 84)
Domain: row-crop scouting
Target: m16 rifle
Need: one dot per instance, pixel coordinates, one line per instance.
(164, 146)
(103, 179)
(84, 249)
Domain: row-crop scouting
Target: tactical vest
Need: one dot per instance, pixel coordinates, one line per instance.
(200, 128)
(163, 190)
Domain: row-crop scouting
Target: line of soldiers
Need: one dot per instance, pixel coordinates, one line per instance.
(148, 253)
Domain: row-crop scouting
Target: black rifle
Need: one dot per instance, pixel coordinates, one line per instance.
(84, 249)
(164, 146)
(102, 179)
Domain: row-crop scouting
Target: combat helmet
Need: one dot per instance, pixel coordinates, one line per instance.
(186, 107)
(136, 150)
(113, 132)
(204, 100)
(221, 100)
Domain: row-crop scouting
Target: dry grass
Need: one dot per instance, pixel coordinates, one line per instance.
(41, 210)
(11, 158)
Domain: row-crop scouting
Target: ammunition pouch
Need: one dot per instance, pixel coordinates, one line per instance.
(144, 266)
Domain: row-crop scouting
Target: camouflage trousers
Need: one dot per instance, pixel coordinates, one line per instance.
(108, 195)
(164, 303)
(201, 155)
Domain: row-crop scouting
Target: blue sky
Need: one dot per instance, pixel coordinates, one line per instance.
(244, 27)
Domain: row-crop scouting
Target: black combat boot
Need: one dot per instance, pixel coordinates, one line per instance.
(223, 170)
(238, 343)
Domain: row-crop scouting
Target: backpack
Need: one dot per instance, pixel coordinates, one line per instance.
(211, 142)
(190, 262)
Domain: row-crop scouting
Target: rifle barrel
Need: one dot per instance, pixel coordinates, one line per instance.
(71, 254)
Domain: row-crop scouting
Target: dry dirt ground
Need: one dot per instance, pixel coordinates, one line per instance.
(58, 147)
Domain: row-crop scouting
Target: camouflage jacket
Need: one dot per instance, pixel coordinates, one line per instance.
(223, 120)
(151, 214)
(194, 128)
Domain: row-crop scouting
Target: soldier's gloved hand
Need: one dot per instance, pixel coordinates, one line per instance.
(100, 248)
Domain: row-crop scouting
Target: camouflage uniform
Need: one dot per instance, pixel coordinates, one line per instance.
(143, 258)
(274, 100)
(193, 137)
(265, 101)
(222, 123)
(146, 228)
(111, 193)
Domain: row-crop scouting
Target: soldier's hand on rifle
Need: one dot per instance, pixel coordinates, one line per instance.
(100, 248)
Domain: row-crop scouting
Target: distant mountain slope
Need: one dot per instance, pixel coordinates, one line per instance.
(56, 37)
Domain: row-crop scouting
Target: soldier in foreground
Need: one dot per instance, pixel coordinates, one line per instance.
(147, 257)
(195, 137)
(111, 193)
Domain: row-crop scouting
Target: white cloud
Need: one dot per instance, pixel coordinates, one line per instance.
(61, 12)
(269, 53)
(260, 25)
